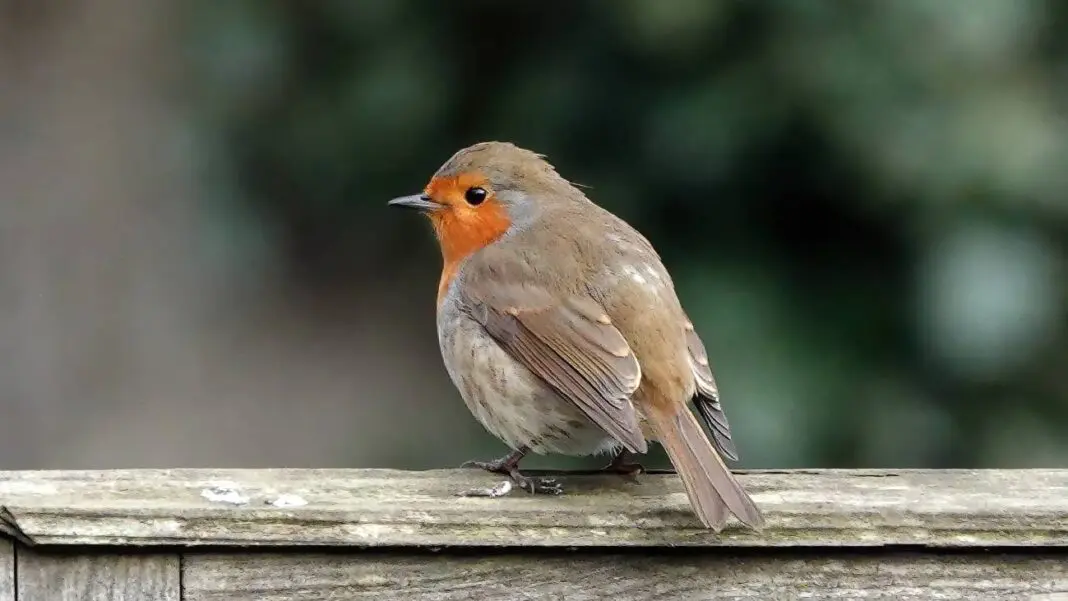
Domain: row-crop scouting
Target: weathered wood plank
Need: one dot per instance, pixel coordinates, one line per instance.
(386, 507)
(7, 570)
(91, 577)
(693, 576)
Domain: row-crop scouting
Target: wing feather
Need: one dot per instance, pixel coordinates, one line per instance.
(572, 346)
(707, 400)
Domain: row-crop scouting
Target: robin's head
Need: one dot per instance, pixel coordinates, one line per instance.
(482, 191)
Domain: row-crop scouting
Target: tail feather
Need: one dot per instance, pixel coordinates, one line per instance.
(712, 489)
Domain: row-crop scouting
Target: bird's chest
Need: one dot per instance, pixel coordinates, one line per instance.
(506, 398)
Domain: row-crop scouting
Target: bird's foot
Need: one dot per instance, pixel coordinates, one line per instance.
(625, 465)
(537, 486)
(509, 466)
(504, 465)
(497, 466)
(534, 486)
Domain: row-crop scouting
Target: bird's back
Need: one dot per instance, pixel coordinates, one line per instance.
(580, 249)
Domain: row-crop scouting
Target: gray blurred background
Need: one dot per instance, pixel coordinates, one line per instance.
(863, 206)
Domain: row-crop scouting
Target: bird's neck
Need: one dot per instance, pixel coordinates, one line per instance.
(447, 275)
(460, 238)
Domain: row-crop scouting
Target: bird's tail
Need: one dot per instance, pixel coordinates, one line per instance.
(711, 487)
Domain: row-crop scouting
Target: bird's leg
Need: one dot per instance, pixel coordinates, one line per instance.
(509, 466)
(625, 464)
(503, 465)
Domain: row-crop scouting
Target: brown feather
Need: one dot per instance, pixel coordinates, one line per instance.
(570, 346)
(711, 487)
(581, 300)
(707, 397)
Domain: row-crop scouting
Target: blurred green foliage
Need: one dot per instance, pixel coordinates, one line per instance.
(863, 203)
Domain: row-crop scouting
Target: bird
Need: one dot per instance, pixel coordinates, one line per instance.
(560, 327)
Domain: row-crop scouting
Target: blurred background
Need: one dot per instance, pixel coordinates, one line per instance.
(863, 206)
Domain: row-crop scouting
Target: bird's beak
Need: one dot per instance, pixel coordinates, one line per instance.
(419, 202)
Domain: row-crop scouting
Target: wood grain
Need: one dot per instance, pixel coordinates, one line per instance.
(388, 508)
(7, 570)
(115, 577)
(693, 576)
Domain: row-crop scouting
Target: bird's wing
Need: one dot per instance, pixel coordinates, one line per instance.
(707, 401)
(571, 344)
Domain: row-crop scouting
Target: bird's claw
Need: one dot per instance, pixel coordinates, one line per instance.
(496, 467)
(509, 466)
(624, 464)
(630, 471)
(539, 486)
(534, 486)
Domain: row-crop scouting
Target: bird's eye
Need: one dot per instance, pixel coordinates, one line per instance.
(475, 196)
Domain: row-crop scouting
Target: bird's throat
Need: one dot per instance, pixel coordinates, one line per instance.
(461, 235)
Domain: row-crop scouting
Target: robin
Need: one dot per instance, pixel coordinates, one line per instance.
(562, 331)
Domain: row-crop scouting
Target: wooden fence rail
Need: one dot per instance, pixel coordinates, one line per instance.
(314, 535)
